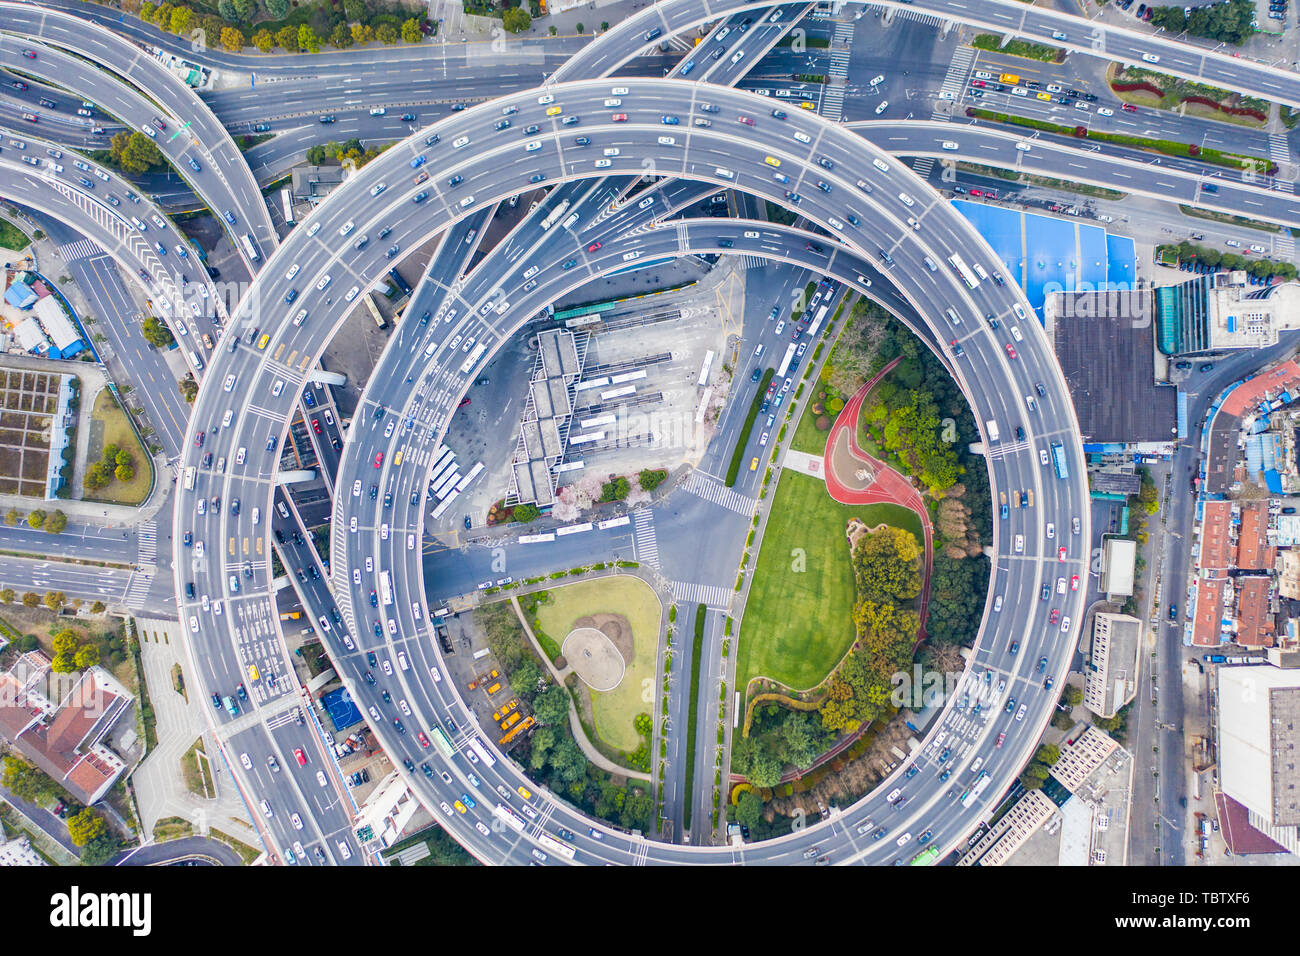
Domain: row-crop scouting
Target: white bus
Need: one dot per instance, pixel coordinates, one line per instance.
(971, 795)
(249, 248)
(468, 479)
(484, 754)
(556, 846)
(509, 818)
(468, 365)
(386, 586)
(705, 368)
(188, 481)
(785, 362)
(439, 511)
(555, 215)
(963, 270)
(288, 205)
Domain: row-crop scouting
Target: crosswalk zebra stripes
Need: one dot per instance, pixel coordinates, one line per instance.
(1284, 244)
(922, 166)
(81, 249)
(917, 15)
(837, 74)
(954, 82)
(138, 588)
(1001, 450)
(643, 538)
(709, 595)
(712, 490)
(147, 545)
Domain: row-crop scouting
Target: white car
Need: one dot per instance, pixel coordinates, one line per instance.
(1042, 456)
(297, 821)
(248, 764)
(405, 707)
(1051, 530)
(1065, 625)
(884, 105)
(877, 80)
(320, 778)
(388, 667)
(346, 227)
(1105, 111)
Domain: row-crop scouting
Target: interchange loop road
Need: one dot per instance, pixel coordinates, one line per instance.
(318, 260)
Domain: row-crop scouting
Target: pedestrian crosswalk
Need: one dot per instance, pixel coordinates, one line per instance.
(1277, 148)
(837, 74)
(917, 15)
(138, 588)
(81, 249)
(754, 262)
(922, 166)
(953, 85)
(643, 538)
(713, 490)
(710, 595)
(1003, 449)
(147, 545)
(1284, 245)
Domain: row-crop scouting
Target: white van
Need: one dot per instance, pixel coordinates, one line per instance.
(196, 361)
(725, 173)
(953, 317)
(929, 263)
(979, 270)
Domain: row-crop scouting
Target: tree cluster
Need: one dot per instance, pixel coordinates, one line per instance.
(887, 571)
(307, 29)
(134, 152)
(116, 463)
(1227, 261)
(1226, 22)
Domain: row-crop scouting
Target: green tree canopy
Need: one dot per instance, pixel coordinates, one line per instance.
(516, 20)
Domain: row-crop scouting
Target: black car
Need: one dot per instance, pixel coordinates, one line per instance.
(216, 701)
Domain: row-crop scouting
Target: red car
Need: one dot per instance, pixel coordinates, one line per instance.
(1001, 738)
(18, 85)
(1128, 108)
(315, 425)
(977, 193)
(424, 741)
(619, 117)
(1060, 554)
(1012, 352)
(746, 120)
(1074, 583)
(593, 247)
(463, 403)
(379, 461)
(30, 54)
(1055, 618)
(198, 440)
(977, 83)
(300, 757)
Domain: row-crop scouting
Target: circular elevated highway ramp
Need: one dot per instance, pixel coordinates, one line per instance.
(494, 164)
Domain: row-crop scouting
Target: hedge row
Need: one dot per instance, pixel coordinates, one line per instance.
(738, 454)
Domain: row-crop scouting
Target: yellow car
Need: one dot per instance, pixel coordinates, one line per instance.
(524, 792)
(252, 672)
(1045, 97)
(554, 111)
(807, 105)
(460, 807)
(397, 459)
(772, 161)
(261, 343)
(753, 464)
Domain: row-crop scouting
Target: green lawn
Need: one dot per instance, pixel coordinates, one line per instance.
(11, 237)
(613, 711)
(798, 620)
(110, 426)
